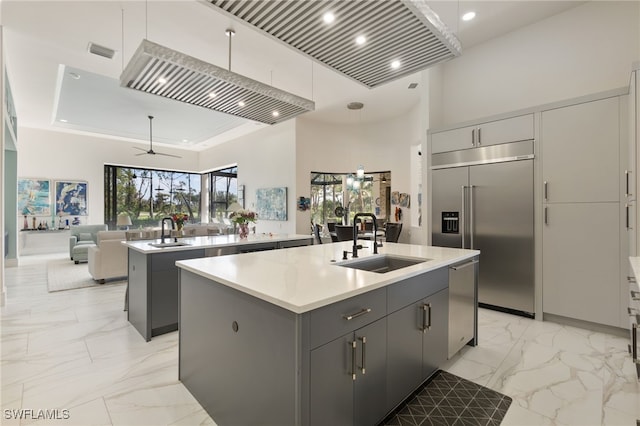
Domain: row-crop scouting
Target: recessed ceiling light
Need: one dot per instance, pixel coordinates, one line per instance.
(395, 64)
(360, 40)
(75, 75)
(468, 16)
(328, 18)
(162, 80)
(62, 120)
(240, 104)
(212, 94)
(185, 140)
(275, 113)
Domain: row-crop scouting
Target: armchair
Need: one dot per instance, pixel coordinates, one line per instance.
(108, 258)
(82, 237)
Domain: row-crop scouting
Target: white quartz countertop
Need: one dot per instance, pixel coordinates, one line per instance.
(144, 246)
(305, 278)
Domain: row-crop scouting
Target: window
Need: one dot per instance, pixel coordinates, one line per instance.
(326, 196)
(148, 195)
(223, 191)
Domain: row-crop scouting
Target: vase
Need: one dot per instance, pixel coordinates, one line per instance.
(179, 227)
(244, 230)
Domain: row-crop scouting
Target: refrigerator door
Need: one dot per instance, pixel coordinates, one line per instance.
(502, 223)
(448, 215)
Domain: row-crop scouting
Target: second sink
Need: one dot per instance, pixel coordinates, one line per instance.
(169, 244)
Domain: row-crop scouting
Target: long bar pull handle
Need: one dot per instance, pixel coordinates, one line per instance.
(635, 295)
(479, 136)
(631, 279)
(633, 312)
(462, 222)
(626, 208)
(546, 190)
(429, 308)
(426, 317)
(363, 339)
(626, 176)
(634, 343)
(546, 215)
(353, 360)
(357, 314)
(471, 216)
(473, 137)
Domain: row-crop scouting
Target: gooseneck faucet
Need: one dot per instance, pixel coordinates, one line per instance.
(355, 233)
(173, 226)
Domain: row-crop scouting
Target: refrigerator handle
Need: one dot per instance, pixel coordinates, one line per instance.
(546, 216)
(626, 175)
(546, 192)
(462, 209)
(473, 137)
(471, 216)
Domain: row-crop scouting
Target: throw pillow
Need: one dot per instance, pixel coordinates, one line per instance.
(85, 236)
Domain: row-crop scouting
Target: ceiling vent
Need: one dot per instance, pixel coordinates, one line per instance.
(105, 52)
(370, 41)
(412, 85)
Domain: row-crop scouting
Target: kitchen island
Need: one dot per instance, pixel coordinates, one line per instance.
(153, 275)
(302, 337)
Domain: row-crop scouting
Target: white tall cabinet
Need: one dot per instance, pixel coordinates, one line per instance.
(584, 154)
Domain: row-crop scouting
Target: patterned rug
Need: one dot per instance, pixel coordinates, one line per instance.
(451, 400)
(64, 274)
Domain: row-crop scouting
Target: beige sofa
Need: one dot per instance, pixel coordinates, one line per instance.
(108, 258)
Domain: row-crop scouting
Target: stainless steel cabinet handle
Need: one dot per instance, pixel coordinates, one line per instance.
(462, 222)
(546, 190)
(473, 137)
(634, 343)
(626, 176)
(626, 209)
(479, 136)
(632, 312)
(353, 360)
(471, 216)
(546, 216)
(363, 339)
(357, 314)
(426, 317)
(635, 295)
(631, 279)
(464, 265)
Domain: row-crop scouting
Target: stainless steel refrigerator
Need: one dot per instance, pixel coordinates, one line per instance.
(482, 198)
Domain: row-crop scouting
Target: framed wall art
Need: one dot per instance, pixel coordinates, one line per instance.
(71, 198)
(34, 196)
(271, 203)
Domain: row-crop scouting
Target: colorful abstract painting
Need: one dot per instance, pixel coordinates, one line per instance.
(271, 203)
(34, 197)
(71, 198)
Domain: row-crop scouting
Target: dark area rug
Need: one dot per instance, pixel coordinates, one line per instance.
(451, 400)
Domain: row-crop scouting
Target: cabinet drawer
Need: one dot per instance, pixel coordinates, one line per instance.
(330, 322)
(415, 288)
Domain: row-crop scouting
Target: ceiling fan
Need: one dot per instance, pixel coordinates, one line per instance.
(150, 151)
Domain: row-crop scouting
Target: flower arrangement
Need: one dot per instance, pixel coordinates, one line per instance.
(179, 219)
(243, 216)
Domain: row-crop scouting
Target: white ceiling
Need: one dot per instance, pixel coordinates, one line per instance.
(46, 40)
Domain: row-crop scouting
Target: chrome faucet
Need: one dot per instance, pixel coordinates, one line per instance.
(355, 233)
(173, 226)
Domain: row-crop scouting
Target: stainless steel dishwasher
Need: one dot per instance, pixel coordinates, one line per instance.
(463, 305)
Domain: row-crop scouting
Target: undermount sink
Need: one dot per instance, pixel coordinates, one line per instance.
(169, 244)
(383, 263)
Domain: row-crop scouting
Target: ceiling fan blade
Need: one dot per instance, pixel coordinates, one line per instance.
(142, 153)
(140, 149)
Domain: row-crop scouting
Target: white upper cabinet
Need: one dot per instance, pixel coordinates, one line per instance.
(491, 133)
(581, 152)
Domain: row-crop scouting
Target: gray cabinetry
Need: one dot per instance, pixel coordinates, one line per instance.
(417, 333)
(584, 220)
(490, 133)
(348, 378)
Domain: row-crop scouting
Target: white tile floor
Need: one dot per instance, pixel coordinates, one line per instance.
(75, 350)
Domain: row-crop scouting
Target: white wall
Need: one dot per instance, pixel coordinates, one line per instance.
(265, 159)
(378, 147)
(64, 156)
(587, 49)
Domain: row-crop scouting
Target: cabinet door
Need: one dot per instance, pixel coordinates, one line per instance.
(504, 131)
(581, 268)
(331, 382)
(370, 384)
(404, 353)
(453, 140)
(436, 336)
(577, 141)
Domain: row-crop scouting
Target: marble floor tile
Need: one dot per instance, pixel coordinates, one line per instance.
(199, 418)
